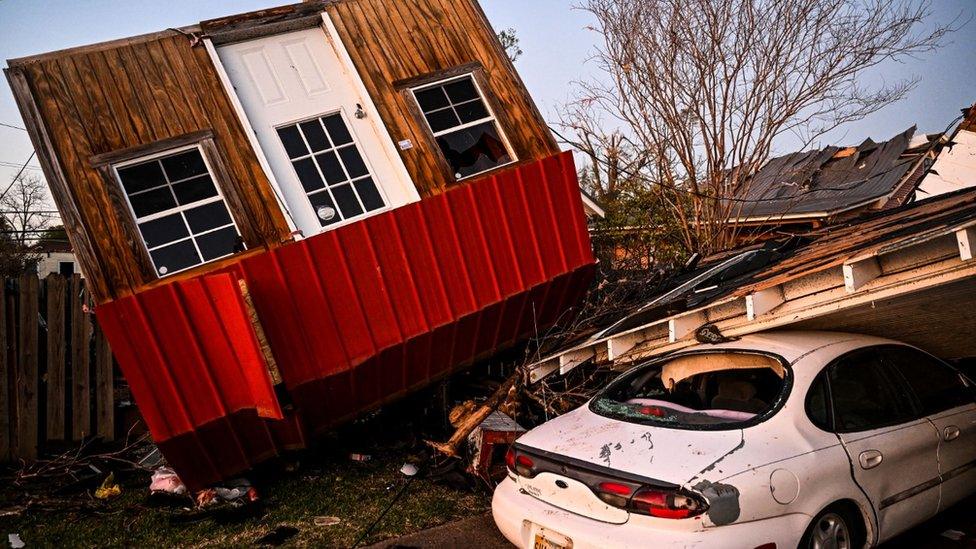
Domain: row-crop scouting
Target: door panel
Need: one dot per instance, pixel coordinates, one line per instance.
(892, 448)
(949, 400)
(898, 469)
(312, 124)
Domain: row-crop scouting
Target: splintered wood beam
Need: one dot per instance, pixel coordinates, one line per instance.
(763, 301)
(682, 326)
(858, 272)
(967, 243)
(572, 359)
(540, 370)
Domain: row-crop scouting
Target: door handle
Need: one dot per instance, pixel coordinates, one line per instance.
(870, 459)
(950, 433)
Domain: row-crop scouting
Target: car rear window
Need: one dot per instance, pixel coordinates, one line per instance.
(712, 390)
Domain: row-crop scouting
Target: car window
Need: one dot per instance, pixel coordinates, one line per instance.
(715, 390)
(937, 386)
(817, 404)
(866, 395)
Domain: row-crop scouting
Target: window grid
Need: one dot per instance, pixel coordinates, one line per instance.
(348, 181)
(180, 209)
(453, 106)
(342, 163)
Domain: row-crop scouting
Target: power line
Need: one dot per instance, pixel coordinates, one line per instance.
(8, 164)
(12, 126)
(14, 180)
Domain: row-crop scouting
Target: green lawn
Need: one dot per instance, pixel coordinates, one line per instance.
(326, 483)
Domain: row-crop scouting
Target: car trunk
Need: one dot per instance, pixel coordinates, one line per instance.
(587, 448)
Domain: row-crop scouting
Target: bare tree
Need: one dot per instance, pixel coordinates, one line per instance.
(698, 92)
(26, 215)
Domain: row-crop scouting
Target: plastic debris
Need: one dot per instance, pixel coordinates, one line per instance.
(954, 535)
(15, 541)
(236, 492)
(326, 521)
(409, 469)
(360, 457)
(206, 498)
(166, 481)
(109, 488)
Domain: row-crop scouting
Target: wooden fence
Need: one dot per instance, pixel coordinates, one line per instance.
(56, 369)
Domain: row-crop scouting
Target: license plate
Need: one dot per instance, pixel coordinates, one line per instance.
(551, 540)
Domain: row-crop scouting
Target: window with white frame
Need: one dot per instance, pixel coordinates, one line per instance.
(330, 166)
(179, 210)
(463, 125)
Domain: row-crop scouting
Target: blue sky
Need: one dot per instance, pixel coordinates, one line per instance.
(553, 35)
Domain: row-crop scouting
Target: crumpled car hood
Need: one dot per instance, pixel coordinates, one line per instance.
(677, 456)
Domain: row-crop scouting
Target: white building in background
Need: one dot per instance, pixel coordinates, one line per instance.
(55, 257)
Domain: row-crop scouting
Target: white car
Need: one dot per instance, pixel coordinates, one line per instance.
(777, 440)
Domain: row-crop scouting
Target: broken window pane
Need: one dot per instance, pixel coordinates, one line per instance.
(464, 128)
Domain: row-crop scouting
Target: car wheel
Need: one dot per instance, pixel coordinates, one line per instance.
(833, 528)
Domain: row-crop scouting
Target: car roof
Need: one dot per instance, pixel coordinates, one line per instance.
(795, 344)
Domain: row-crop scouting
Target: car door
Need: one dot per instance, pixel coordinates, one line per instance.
(892, 448)
(948, 399)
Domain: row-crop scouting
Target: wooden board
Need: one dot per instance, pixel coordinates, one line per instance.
(26, 373)
(104, 388)
(56, 288)
(80, 373)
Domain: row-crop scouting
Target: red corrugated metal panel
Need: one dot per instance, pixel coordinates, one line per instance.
(357, 316)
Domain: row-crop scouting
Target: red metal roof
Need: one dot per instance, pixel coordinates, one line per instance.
(354, 317)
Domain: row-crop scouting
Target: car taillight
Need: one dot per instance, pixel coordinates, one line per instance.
(521, 464)
(614, 493)
(665, 504)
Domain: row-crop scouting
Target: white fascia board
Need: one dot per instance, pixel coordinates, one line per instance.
(592, 208)
(572, 359)
(860, 271)
(541, 369)
(680, 327)
(763, 301)
(966, 238)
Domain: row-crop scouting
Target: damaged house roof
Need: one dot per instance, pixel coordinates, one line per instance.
(832, 180)
(830, 278)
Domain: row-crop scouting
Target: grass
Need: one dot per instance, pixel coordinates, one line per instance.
(326, 484)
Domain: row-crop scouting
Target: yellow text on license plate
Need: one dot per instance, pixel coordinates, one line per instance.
(544, 542)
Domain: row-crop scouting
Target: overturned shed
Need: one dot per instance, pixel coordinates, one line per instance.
(291, 216)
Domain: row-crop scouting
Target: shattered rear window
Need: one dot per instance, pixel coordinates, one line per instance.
(713, 390)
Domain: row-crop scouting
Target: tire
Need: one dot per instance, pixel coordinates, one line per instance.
(836, 527)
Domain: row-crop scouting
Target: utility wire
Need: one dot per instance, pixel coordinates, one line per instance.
(12, 126)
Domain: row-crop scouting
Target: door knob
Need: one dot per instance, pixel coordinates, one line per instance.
(951, 433)
(870, 459)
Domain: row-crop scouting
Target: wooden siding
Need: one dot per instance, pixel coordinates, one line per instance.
(98, 100)
(395, 41)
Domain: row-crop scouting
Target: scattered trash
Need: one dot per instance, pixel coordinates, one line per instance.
(954, 535)
(360, 457)
(109, 488)
(15, 541)
(206, 498)
(166, 481)
(326, 521)
(277, 536)
(236, 489)
(409, 469)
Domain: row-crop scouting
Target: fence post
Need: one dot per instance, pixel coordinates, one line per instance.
(104, 387)
(27, 368)
(55, 289)
(80, 337)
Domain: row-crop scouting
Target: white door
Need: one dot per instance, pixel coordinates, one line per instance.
(332, 157)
